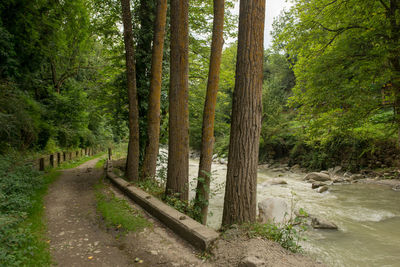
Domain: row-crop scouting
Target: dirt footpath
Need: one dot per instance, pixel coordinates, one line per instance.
(78, 237)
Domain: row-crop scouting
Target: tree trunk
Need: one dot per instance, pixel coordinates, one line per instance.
(395, 60)
(153, 114)
(207, 139)
(132, 163)
(145, 16)
(178, 145)
(241, 181)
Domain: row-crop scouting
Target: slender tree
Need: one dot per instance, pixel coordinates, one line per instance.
(144, 15)
(132, 163)
(153, 114)
(178, 144)
(207, 139)
(241, 181)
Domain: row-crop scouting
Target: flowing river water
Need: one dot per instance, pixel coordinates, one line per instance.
(368, 216)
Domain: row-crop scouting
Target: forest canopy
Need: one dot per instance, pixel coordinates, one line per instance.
(331, 79)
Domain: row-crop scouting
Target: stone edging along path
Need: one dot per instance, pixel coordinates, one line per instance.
(192, 231)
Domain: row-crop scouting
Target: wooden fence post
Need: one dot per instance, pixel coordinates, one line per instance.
(109, 153)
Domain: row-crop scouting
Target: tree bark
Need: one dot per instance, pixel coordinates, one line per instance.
(132, 163)
(394, 60)
(207, 139)
(178, 145)
(241, 182)
(145, 11)
(153, 115)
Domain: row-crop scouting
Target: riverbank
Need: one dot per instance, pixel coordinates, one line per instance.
(239, 246)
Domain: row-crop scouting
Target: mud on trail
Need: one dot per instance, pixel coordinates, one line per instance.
(78, 236)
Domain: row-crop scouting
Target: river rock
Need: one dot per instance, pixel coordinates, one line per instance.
(273, 210)
(277, 181)
(194, 154)
(338, 180)
(317, 184)
(356, 177)
(223, 161)
(322, 224)
(317, 176)
(263, 166)
(295, 168)
(396, 188)
(347, 174)
(279, 169)
(251, 261)
(335, 170)
(322, 189)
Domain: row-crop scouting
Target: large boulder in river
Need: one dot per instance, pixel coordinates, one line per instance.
(322, 224)
(273, 210)
(317, 176)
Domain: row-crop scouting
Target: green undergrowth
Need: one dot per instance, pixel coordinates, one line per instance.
(117, 213)
(75, 163)
(22, 227)
(288, 235)
(100, 163)
(156, 189)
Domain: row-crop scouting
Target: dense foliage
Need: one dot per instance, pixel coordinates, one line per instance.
(345, 58)
(50, 64)
(20, 189)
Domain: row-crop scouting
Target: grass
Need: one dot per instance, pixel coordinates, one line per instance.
(100, 163)
(75, 163)
(288, 234)
(35, 224)
(117, 213)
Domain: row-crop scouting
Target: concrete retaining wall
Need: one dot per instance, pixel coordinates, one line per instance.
(192, 231)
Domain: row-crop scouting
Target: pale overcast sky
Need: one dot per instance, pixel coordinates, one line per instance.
(272, 9)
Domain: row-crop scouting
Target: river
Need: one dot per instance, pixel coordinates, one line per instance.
(368, 216)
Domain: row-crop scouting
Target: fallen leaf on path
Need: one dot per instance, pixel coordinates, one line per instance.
(90, 257)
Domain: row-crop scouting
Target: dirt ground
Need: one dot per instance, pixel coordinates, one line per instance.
(78, 236)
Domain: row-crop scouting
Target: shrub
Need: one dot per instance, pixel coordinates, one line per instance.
(20, 187)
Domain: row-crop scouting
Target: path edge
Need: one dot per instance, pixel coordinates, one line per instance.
(198, 235)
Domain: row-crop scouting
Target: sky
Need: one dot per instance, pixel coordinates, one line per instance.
(272, 9)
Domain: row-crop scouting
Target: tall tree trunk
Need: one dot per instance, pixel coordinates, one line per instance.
(241, 181)
(178, 145)
(207, 139)
(394, 59)
(153, 114)
(132, 163)
(143, 55)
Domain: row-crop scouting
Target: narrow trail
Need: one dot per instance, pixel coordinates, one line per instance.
(78, 236)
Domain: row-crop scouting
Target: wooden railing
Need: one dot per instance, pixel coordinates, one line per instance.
(56, 159)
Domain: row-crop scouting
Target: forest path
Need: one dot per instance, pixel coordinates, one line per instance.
(78, 236)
